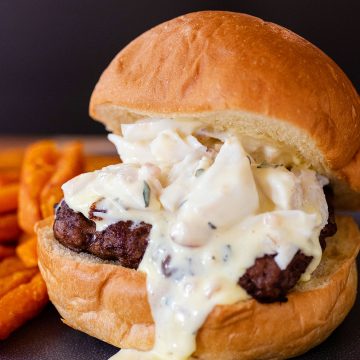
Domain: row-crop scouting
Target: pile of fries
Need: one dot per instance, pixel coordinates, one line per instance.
(30, 188)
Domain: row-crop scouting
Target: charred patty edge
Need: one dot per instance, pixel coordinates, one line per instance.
(124, 241)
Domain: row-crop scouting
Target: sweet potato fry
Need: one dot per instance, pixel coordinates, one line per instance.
(38, 167)
(6, 251)
(21, 304)
(10, 265)
(9, 176)
(9, 197)
(11, 158)
(27, 252)
(17, 278)
(95, 162)
(69, 165)
(24, 237)
(9, 228)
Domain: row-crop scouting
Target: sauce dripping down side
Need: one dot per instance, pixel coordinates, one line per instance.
(213, 212)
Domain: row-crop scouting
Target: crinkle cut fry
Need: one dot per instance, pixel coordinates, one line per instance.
(9, 228)
(11, 158)
(9, 176)
(22, 304)
(10, 265)
(27, 252)
(6, 251)
(9, 197)
(38, 167)
(70, 164)
(15, 279)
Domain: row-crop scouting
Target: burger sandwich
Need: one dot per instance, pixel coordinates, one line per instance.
(215, 235)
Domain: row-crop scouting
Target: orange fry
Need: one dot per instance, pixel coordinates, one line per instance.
(11, 158)
(21, 304)
(9, 228)
(24, 237)
(9, 176)
(27, 252)
(69, 165)
(95, 162)
(38, 167)
(17, 278)
(10, 265)
(6, 251)
(9, 197)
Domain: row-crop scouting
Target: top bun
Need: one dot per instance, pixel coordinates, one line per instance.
(235, 71)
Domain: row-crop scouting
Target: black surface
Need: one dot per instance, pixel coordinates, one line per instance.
(53, 51)
(47, 338)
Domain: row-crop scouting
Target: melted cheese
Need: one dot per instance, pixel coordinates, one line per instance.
(212, 214)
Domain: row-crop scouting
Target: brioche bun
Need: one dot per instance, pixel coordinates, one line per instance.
(109, 302)
(235, 71)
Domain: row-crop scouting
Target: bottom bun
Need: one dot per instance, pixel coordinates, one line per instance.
(109, 302)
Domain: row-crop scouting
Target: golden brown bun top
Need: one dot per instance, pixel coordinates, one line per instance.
(237, 71)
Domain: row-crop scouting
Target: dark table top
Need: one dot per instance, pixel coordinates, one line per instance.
(47, 338)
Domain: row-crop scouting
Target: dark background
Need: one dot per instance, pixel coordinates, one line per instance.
(52, 52)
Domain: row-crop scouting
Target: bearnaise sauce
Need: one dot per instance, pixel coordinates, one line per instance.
(213, 211)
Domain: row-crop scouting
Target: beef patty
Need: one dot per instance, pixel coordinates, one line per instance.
(266, 282)
(127, 242)
(124, 241)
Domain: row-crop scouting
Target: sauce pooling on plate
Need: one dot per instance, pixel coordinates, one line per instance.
(214, 209)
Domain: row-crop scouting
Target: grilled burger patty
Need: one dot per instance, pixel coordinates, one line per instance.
(126, 242)
(266, 282)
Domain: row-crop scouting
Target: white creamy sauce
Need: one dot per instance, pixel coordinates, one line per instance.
(213, 212)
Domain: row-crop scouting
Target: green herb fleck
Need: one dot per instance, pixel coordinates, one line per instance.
(227, 252)
(212, 226)
(265, 165)
(146, 194)
(198, 172)
(182, 203)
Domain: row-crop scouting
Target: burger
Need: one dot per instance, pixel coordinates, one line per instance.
(215, 236)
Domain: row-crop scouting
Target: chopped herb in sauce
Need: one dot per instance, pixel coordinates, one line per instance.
(190, 263)
(212, 226)
(174, 272)
(167, 301)
(265, 165)
(182, 203)
(227, 252)
(198, 172)
(146, 194)
(165, 266)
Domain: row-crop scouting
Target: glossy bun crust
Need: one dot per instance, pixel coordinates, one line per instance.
(109, 302)
(237, 71)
